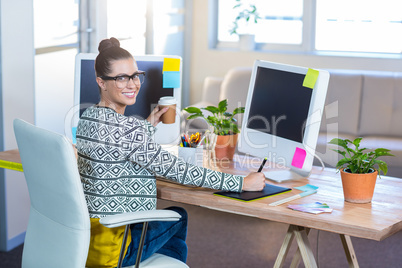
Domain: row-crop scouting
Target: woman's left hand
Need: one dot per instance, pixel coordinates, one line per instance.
(154, 117)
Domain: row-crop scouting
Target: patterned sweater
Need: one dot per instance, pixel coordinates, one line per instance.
(118, 162)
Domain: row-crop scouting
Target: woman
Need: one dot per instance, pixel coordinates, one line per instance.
(118, 161)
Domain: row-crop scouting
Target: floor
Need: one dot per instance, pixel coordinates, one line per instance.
(11, 259)
(218, 240)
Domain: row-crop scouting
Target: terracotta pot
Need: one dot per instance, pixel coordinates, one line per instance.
(225, 146)
(358, 188)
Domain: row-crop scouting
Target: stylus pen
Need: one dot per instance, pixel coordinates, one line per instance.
(262, 164)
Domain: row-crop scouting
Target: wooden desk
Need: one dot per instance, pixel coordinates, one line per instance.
(377, 220)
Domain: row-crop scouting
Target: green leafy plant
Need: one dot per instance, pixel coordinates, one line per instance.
(222, 121)
(360, 160)
(247, 13)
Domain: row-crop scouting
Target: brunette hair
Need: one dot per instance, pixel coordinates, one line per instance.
(109, 50)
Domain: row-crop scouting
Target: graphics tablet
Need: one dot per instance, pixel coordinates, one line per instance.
(269, 190)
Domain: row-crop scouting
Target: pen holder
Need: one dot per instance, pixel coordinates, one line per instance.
(194, 156)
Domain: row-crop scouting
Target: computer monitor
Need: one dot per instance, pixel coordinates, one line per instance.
(163, 78)
(282, 117)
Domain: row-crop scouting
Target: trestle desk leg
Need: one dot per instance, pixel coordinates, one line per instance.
(305, 248)
(297, 257)
(349, 251)
(303, 244)
(283, 252)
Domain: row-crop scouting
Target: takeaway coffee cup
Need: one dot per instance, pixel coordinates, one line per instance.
(169, 117)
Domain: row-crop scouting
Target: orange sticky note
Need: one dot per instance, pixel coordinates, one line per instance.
(310, 78)
(171, 65)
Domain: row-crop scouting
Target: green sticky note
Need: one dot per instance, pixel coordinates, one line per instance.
(310, 78)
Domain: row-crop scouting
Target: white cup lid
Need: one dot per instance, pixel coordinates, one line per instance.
(167, 101)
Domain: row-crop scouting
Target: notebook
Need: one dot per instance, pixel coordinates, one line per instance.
(269, 190)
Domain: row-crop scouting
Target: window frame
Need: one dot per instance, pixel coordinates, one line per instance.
(308, 38)
(307, 35)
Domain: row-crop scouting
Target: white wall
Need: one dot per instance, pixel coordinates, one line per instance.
(17, 77)
(212, 62)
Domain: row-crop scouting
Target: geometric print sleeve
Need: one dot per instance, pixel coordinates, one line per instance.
(149, 128)
(149, 154)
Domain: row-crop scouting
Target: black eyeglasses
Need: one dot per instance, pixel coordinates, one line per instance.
(122, 80)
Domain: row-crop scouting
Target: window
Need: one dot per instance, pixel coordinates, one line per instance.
(126, 21)
(365, 26)
(372, 26)
(280, 21)
(56, 40)
(55, 31)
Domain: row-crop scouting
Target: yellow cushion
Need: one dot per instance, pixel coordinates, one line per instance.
(105, 245)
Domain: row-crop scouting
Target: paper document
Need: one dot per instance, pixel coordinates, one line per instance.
(314, 208)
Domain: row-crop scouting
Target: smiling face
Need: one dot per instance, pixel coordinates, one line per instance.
(111, 95)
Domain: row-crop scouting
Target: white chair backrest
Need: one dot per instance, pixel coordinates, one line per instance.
(58, 230)
(235, 88)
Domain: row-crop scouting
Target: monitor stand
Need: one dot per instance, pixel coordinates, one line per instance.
(285, 175)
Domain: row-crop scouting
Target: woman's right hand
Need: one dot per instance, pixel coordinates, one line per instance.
(254, 181)
(155, 117)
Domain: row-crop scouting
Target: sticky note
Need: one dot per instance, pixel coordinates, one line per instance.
(310, 78)
(171, 65)
(299, 157)
(306, 188)
(171, 79)
(74, 133)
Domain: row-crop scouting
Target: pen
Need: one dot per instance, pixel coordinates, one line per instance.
(262, 164)
(183, 140)
(199, 143)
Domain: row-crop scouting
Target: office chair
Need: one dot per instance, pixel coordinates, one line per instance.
(58, 232)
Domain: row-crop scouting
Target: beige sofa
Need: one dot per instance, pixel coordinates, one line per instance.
(359, 104)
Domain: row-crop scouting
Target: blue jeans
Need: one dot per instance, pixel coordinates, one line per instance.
(167, 238)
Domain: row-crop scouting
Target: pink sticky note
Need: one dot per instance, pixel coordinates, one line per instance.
(299, 157)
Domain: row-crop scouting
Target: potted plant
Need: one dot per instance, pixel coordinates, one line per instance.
(357, 167)
(223, 125)
(245, 19)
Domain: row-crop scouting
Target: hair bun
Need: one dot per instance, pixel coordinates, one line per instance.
(108, 43)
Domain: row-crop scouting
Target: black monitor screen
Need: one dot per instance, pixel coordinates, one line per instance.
(279, 104)
(151, 90)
